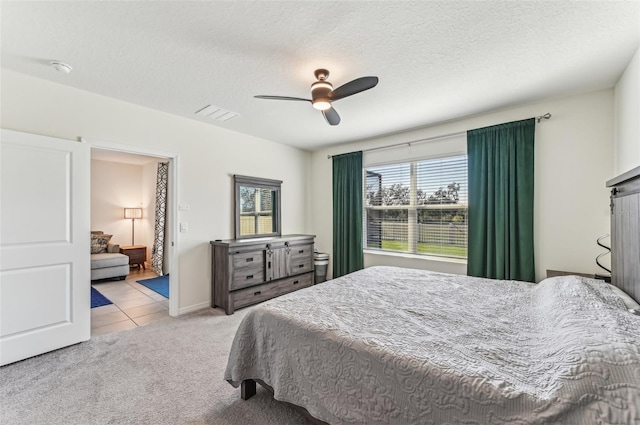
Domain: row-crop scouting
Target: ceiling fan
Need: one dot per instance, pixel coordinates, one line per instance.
(322, 93)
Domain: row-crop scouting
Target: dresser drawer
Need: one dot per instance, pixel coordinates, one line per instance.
(301, 252)
(248, 259)
(247, 269)
(300, 266)
(247, 276)
(256, 294)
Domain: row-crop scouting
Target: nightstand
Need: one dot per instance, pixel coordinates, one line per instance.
(554, 273)
(137, 254)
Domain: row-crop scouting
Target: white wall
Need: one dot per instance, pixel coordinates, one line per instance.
(627, 118)
(115, 186)
(573, 161)
(208, 157)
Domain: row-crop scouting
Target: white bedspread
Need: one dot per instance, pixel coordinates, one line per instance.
(387, 345)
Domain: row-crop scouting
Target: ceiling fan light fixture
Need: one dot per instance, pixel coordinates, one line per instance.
(321, 104)
(321, 85)
(319, 93)
(320, 89)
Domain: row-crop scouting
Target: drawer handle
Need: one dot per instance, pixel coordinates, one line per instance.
(248, 260)
(301, 266)
(257, 293)
(301, 251)
(250, 276)
(295, 282)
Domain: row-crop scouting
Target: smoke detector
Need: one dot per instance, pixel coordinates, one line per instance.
(61, 67)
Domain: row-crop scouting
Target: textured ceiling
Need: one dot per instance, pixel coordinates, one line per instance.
(436, 61)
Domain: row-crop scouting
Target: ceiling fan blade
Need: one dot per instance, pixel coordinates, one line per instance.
(353, 87)
(331, 116)
(281, 98)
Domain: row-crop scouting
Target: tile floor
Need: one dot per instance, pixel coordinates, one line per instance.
(133, 304)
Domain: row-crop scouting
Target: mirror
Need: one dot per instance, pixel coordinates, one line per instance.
(257, 210)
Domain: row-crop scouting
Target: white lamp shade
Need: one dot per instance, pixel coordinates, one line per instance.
(133, 213)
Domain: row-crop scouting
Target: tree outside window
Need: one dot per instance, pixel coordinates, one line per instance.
(418, 207)
(256, 213)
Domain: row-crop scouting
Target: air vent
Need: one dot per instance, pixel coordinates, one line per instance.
(216, 113)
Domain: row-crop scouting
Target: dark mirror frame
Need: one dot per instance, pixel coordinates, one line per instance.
(259, 183)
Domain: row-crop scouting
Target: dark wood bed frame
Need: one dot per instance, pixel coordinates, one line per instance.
(625, 232)
(248, 390)
(625, 256)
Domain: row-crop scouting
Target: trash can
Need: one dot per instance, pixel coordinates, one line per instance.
(320, 263)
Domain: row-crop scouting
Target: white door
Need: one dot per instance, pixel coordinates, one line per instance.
(44, 244)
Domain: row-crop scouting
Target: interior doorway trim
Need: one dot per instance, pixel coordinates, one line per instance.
(172, 208)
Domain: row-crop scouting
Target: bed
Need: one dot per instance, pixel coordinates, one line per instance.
(388, 345)
(424, 347)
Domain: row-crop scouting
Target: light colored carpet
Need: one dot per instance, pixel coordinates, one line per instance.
(169, 372)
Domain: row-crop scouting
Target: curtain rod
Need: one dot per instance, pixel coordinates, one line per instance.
(444, 136)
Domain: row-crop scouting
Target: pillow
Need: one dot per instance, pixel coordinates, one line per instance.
(99, 243)
(629, 302)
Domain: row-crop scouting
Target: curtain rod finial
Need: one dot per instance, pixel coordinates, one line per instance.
(545, 116)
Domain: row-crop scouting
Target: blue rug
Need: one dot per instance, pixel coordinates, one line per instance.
(158, 284)
(97, 299)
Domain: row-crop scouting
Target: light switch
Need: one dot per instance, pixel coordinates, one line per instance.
(184, 207)
(184, 227)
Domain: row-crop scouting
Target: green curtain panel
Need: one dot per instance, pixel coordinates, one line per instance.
(501, 172)
(347, 214)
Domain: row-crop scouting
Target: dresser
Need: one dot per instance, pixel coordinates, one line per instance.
(246, 271)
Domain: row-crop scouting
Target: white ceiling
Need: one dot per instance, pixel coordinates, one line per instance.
(436, 61)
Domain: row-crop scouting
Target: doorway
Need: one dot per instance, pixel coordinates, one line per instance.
(122, 178)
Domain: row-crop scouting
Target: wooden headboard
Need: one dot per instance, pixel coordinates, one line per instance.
(625, 232)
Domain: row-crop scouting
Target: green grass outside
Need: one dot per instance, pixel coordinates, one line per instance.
(425, 248)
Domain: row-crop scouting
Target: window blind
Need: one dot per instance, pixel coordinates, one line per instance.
(418, 207)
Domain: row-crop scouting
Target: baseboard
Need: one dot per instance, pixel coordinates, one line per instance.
(194, 307)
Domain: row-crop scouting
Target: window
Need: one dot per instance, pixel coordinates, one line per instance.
(417, 207)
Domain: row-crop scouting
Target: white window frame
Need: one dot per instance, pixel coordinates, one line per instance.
(412, 208)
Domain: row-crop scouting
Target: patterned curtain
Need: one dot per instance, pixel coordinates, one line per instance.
(157, 252)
